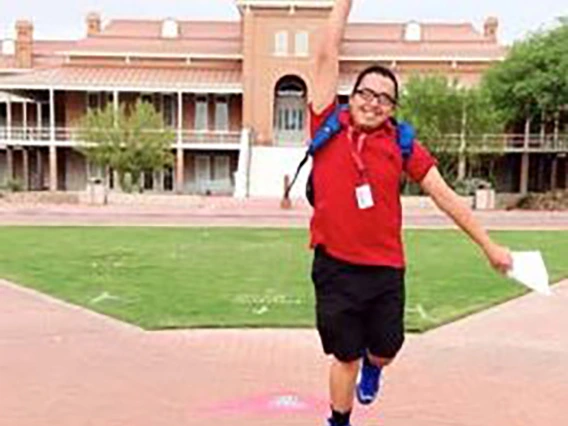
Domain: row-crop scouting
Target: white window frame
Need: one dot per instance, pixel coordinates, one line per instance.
(202, 121)
(102, 99)
(202, 162)
(169, 106)
(170, 28)
(413, 31)
(281, 43)
(222, 163)
(222, 115)
(302, 44)
(97, 97)
(95, 171)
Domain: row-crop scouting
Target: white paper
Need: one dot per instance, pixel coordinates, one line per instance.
(529, 269)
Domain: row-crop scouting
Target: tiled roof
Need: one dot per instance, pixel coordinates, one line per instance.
(188, 29)
(205, 46)
(430, 32)
(425, 51)
(128, 78)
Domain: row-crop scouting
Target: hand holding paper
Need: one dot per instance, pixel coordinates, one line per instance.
(529, 269)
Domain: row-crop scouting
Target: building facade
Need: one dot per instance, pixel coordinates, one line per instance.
(236, 94)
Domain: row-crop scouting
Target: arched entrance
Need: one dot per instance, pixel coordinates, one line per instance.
(290, 96)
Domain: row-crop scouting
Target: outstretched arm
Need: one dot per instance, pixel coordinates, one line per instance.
(326, 56)
(451, 204)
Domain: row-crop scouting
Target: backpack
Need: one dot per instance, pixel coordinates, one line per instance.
(331, 127)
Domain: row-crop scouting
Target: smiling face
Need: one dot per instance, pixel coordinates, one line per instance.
(373, 101)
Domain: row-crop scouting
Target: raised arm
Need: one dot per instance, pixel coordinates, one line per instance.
(326, 56)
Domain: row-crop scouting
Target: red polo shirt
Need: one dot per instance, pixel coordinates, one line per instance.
(371, 236)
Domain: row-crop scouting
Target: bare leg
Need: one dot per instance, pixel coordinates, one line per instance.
(342, 384)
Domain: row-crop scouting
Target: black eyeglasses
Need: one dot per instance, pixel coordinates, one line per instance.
(383, 99)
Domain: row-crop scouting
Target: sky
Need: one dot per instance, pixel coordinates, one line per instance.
(60, 19)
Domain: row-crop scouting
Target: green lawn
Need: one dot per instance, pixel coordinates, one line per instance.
(167, 278)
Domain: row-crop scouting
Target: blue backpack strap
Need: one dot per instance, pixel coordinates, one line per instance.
(330, 127)
(405, 138)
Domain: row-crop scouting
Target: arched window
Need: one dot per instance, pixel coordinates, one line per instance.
(413, 32)
(170, 28)
(290, 96)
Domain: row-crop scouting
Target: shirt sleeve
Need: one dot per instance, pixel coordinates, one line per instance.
(316, 120)
(419, 163)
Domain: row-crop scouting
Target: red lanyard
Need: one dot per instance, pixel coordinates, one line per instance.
(356, 149)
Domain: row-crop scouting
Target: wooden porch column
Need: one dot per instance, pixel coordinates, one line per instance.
(26, 168)
(9, 117)
(179, 170)
(38, 122)
(554, 173)
(53, 168)
(524, 178)
(25, 119)
(9, 163)
(115, 105)
(179, 148)
(524, 186)
(52, 147)
(39, 169)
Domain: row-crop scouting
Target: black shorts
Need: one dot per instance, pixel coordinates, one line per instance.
(358, 307)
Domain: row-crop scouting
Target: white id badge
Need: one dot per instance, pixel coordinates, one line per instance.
(364, 196)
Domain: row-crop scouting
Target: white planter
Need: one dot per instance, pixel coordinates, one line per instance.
(485, 199)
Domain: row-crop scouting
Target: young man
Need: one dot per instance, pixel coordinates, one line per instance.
(358, 268)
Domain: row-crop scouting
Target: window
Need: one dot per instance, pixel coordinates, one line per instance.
(148, 180)
(290, 111)
(93, 100)
(169, 179)
(95, 171)
(99, 100)
(201, 113)
(170, 29)
(221, 113)
(202, 168)
(148, 98)
(169, 110)
(302, 43)
(222, 168)
(281, 43)
(45, 117)
(3, 114)
(413, 32)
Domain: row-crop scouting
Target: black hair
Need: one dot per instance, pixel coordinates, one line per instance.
(377, 69)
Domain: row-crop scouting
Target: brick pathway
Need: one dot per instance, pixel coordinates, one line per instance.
(62, 365)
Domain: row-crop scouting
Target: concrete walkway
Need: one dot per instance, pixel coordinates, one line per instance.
(250, 212)
(62, 365)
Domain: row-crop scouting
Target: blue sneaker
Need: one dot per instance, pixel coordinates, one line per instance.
(368, 382)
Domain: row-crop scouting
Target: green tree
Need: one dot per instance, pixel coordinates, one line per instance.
(532, 82)
(450, 120)
(130, 142)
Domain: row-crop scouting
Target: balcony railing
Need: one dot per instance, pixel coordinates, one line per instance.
(211, 137)
(70, 136)
(490, 143)
(506, 142)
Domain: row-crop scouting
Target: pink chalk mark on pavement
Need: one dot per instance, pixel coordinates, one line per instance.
(272, 404)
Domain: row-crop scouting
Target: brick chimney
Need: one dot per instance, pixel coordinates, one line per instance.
(93, 24)
(24, 44)
(490, 28)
